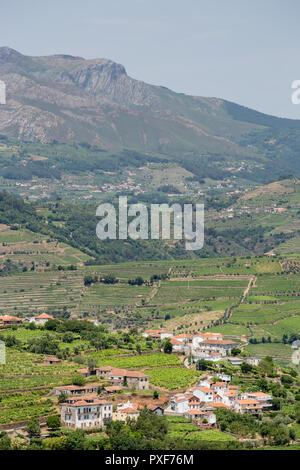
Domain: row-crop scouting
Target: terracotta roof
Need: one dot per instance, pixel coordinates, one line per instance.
(197, 412)
(205, 389)
(113, 388)
(219, 405)
(211, 335)
(10, 318)
(83, 402)
(220, 384)
(179, 400)
(194, 400)
(129, 410)
(248, 401)
(218, 341)
(259, 394)
(126, 373)
(153, 407)
(176, 341)
(45, 316)
(77, 387)
(53, 359)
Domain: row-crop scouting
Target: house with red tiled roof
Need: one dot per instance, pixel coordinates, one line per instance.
(177, 345)
(117, 376)
(157, 409)
(204, 394)
(42, 319)
(221, 346)
(219, 387)
(202, 415)
(127, 410)
(156, 334)
(194, 403)
(52, 360)
(248, 405)
(219, 405)
(180, 403)
(264, 399)
(75, 390)
(86, 412)
(7, 320)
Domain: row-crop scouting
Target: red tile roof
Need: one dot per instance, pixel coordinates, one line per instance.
(45, 316)
(10, 318)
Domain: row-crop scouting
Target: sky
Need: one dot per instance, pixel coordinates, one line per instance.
(244, 51)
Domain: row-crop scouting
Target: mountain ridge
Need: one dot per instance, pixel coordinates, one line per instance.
(69, 99)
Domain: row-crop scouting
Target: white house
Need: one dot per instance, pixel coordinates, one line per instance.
(201, 415)
(207, 382)
(177, 345)
(180, 404)
(224, 377)
(42, 319)
(235, 361)
(247, 406)
(165, 334)
(253, 361)
(264, 399)
(219, 387)
(86, 412)
(204, 394)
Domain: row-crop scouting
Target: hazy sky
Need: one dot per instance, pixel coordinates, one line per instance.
(241, 50)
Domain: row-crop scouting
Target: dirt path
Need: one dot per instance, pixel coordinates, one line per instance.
(250, 284)
(154, 292)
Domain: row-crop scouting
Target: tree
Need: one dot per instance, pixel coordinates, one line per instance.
(5, 441)
(88, 280)
(286, 379)
(110, 279)
(19, 443)
(155, 395)
(55, 443)
(53, 422)
(78, 380)
(75, 440)
(202, 364)
(168, 348)
(33, 428)
(92, 363)
(235, 351)
(68, 337)
(62, 397)
(245, 367)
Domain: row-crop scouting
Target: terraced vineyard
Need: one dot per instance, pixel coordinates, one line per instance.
(173, 378)
(145, 360)
(243, 298)
(39, 291)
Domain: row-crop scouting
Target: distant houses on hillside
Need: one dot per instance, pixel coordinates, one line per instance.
(209, 346)
(119, 376)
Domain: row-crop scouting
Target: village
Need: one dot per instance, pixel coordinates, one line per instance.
(101, 393)
(91, 405)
